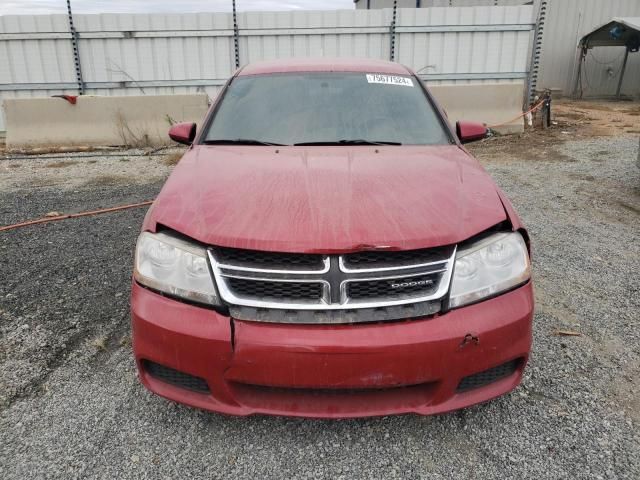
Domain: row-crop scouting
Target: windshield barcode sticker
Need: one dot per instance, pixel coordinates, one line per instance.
(389, 79)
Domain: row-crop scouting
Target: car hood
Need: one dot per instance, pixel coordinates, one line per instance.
(327, 199)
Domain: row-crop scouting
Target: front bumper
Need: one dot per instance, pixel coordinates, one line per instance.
(332, 371)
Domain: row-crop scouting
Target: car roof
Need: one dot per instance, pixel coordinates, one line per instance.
(324, 64)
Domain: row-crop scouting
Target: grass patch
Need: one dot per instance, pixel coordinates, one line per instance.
(631, 208)
(107, 180)
(99, 343)
(171, 159)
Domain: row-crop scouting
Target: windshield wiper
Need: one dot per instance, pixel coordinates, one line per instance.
(348, 142)
(238, 141)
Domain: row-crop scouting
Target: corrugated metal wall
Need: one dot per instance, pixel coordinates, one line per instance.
(476, 3)
(495, 51)
(362, 4)
(123, 54)
(568, 21)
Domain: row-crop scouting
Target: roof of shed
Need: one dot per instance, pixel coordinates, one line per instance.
(600, 37)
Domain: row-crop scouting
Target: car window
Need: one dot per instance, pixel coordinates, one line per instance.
(327, 107)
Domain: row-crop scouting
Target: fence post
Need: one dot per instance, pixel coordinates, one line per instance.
(392, 32)
(624, 67)
(236, 40)
(76, 53)
(536, 52)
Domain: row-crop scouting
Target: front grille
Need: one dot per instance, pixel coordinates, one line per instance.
(268, 260)
(347, 401)
(395, 288)
(175, 377)
(288, 283)
(488, 376)
(301, 291)
(333, 392)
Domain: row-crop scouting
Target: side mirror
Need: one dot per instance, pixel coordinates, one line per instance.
(470, 131)
(183, 133)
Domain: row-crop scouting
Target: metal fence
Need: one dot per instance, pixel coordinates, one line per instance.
(123, 54)
(364, 4)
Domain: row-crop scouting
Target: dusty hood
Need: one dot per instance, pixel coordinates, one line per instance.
(327, 199)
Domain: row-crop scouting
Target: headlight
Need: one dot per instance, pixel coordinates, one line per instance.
(488, 267)
(174, 266)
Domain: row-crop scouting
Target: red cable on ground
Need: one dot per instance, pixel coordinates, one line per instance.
(73, 215)
(535, 107)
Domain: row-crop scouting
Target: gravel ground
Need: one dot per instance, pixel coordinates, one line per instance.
(85, 169)
(71, 407)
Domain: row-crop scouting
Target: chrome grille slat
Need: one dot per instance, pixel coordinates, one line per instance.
(324, 269)
(345, 268)
(270, 262)
(333, 273)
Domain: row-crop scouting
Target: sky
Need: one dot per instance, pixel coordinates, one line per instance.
(35, 7)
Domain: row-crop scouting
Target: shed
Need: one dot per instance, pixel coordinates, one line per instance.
(619, 32)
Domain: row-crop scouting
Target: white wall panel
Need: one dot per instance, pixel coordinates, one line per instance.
(125, 54)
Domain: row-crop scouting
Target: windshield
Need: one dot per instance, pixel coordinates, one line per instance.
(326, 108)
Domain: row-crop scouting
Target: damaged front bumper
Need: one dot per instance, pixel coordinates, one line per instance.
(201, 358)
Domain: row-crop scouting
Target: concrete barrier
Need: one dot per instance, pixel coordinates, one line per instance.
(490, 103)
(144, 120)
(126, 120)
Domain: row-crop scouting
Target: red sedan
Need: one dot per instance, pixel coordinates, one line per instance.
(328, 248)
